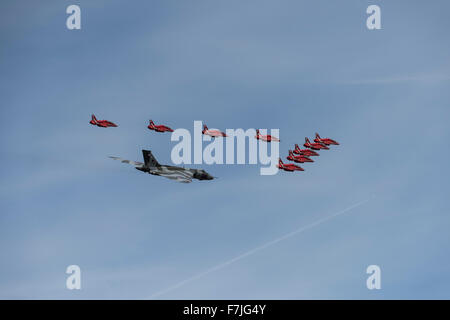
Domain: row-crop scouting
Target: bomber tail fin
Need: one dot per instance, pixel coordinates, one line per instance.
(149, 159)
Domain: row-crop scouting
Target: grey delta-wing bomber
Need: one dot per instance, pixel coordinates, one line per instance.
(179, 174)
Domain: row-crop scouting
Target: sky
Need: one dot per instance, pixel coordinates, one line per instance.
(379, 198)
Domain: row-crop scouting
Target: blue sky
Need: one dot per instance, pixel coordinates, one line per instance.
(300, 66)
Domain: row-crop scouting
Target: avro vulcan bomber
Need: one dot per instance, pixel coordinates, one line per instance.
(179, 174)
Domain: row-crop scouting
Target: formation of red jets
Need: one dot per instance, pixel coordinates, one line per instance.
(302, 155)
(162, 128)
(297, 155)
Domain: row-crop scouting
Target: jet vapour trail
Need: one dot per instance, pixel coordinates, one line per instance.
(261, 247)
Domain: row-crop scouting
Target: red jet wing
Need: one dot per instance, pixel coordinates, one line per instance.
(107, 123)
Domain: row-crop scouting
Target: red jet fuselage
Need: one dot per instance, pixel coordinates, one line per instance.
(305, 152)
(288, 166)
(213, 133)
(299, 158)
(266, 137)
(326, 141)
(101, 123)
(315, 146)
(158, 128)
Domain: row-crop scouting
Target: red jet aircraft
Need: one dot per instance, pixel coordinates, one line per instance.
(299, 159)
(213, 133)
(305, 152)
(288, 166)
(101, 123)
(264, 137)
(314, 146)
(159, 128)
(326, 141)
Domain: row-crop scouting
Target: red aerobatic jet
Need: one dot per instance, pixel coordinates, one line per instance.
(305, 152)
(288, 166)
(315, 146)
(264, 137)
(299, 159)
(213, 133)
(326, 141)
(159, 128)
(101, 123)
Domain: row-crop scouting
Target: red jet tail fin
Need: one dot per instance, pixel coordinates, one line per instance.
(280, 162)
(307, 140)
(93, 120)
(152, 124)
(317, 136)
(291, 153)
(205, 127)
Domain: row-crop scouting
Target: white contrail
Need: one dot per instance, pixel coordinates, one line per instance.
(252, 251)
